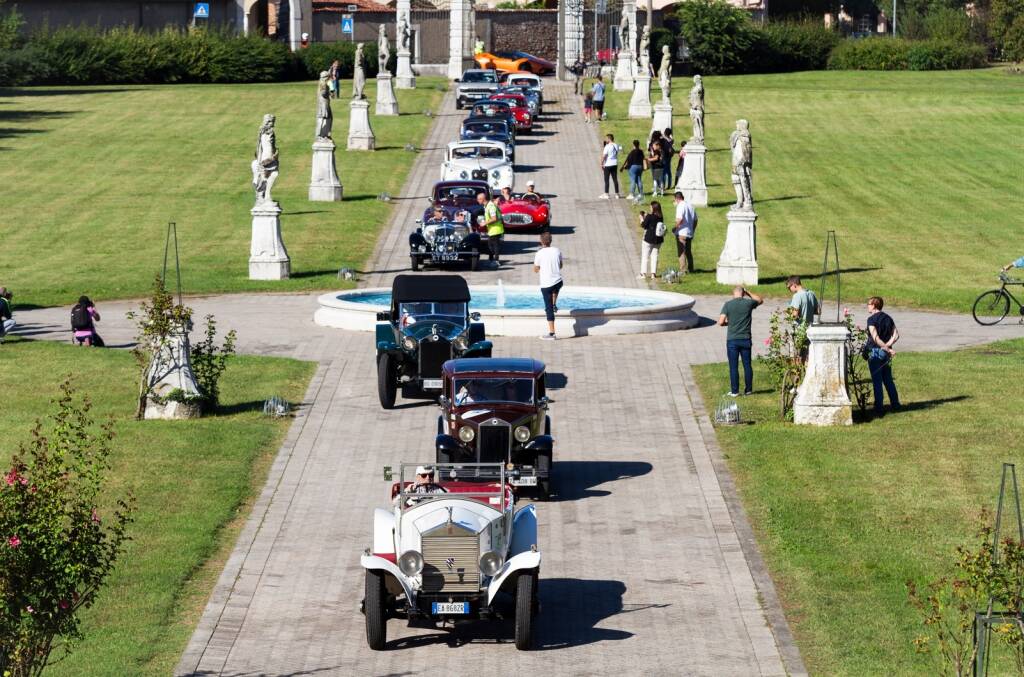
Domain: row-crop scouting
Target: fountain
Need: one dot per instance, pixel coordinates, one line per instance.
(518, 310)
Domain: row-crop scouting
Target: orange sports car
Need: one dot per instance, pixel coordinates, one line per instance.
(514, 61)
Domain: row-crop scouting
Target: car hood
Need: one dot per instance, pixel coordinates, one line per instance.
(474, 163)
(424, 328)
(490, 136)
(479, 412)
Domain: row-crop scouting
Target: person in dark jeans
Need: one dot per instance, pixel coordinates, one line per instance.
(736, 315)
(882, 334)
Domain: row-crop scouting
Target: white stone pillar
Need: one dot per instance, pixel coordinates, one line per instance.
(573, 36)
(625, 65)
(662, 119)
(404, 77)
(295, 24)
(821, 398)
(634, 35)
(738, 262)
(640, 104)
(360, 134)
(268, 259)
(693, 181)
(387, 104)
(460, 35)
(325, 186)
(170, 375)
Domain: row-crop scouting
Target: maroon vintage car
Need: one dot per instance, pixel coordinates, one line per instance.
(495, 410)
(526, 211)
(520, 108)
(457, 196)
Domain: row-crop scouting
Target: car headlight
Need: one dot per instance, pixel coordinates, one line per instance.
(460, 342)
(463, 174)
(490, 563)
(409, 343)
(496, 174)
(522, 433)
(527, 116)
(466, 434)
(410, 563)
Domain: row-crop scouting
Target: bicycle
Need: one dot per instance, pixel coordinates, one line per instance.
(992, 306)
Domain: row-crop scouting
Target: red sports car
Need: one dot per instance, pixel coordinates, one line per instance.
(520, 108)
(526, 211)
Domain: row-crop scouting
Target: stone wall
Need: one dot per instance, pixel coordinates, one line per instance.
(150, 14)
(534, 31)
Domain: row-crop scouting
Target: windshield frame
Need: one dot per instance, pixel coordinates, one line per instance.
(459, 381)
(432, 314)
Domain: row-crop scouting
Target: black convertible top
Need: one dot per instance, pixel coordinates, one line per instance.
(408, 288)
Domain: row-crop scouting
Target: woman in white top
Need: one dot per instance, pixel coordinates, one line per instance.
(548, 263)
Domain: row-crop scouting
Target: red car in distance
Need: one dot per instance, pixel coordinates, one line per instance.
(520, 108)
(526, 211)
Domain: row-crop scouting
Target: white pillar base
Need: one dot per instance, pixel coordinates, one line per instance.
(404, 77)
(360, 135)
(640, 104)
(821, 398)
(387, 104)
(693, 182)
(662, 118)
(738, 262)
(170, 371)
(325, 186)
(623, 72)
(268, 259)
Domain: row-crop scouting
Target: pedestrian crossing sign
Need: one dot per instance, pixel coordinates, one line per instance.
(346, 24)
(202, 10)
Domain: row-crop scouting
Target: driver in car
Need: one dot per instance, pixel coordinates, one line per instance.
(423, 483)
(438, 214)
(468, 394)
(530, 191)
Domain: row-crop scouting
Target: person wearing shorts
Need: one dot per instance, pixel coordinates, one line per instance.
(548, 264)
(598, 91)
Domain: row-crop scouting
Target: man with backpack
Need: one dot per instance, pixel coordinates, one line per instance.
(6, 316)
(83, 318)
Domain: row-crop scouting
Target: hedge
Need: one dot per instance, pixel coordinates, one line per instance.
(787, 47)
(888, 54)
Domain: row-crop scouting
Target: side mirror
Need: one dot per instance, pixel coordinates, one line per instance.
(443, 401)
(384, 316)
(544, 401)
(419, 222)
(388, 474)
(430, 200)
(458, 79)
(475, 316)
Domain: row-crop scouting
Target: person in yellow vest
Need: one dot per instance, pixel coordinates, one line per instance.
(494, 225)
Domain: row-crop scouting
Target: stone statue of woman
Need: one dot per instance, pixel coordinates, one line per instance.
(697, 109)
(324, 117)
(742, 162)
(624, 31)
(358, 74)
(383, 51)
(643, 53)
(403, 34)
(665, 74)
(265, 164)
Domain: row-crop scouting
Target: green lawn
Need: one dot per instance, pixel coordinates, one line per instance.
(918, 173)
(844, 516)
(192, 481)
(92, 175)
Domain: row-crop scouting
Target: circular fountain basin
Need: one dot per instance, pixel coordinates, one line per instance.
(582, 311)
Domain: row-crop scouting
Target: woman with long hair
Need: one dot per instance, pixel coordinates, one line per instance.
(653, 225)
(84, 317)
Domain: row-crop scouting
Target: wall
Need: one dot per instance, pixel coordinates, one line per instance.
(534, 31)
(149, 14)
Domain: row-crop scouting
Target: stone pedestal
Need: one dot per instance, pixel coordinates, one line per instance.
(170, 376)
(738, 262)
(693, 182)
(324, 186)
(640, 104)
(387, 104)
(624, 72)
(662, 118)
(404, 77)
(268, 259)
(360, 135)
(821, 398)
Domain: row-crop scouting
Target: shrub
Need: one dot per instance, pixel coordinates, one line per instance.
(318, 57)
(883, 54)
(659, 38)
(786, 46)
(11, 23)
(719, 35)
(948, 23)
(1006, 26)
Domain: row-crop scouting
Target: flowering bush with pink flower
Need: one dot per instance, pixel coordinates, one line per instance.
(59, 539)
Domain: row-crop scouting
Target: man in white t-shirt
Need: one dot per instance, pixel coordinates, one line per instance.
(548, 263)
(610, 165)
(686, 226)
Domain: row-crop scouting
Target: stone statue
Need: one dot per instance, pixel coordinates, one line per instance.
(742, 161)
(383, 51)
(697, 109)
(324, 117)
(665, 74)
(265, 164)
(358, 74)
(403, 34)
(624, 31)
(643, 53)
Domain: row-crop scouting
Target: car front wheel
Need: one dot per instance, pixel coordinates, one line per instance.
(526, 607)
(374, 610)
(415, 263)
(387, 388)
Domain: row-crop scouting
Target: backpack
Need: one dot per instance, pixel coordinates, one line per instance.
(80, 318)
(659, 229)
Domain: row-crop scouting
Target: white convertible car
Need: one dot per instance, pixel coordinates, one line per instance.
(451, 550)
(480, 161)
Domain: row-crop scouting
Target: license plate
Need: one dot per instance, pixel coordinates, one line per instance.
(449, 607)
(432, 384)
(525, 482)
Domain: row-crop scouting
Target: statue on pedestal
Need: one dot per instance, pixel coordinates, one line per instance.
(665, 74)
(643, 53)
(403, 34)
(697, 109)
(742, 161)
(324, 117)
(624, 31)
(265, 164)
(358, 74)
(383, 51)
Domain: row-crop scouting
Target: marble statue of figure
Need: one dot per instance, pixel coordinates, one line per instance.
(624, 31)
(697, 109)
(324, 117)
(359, 73)
(383, 51)
(643, 53)
(665, 74)
(403, 34)
(742, 161)
(265, 164)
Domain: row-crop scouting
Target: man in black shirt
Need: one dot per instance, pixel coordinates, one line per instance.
(882, 335)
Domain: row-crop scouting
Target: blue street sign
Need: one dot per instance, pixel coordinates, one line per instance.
(202, 10)
(346, 24)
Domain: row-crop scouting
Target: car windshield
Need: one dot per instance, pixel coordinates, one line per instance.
(478, 152)
(485, 128)
(480, 76)
(456, 193)
(474, 390)
(522, 82)
(514, 99)
(411, 313)
(491, 109)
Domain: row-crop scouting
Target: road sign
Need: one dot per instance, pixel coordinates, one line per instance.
(346, 23)
(202, 10)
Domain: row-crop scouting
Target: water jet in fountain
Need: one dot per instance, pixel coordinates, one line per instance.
(500, 297)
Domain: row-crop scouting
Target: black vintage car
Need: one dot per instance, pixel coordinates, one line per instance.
(456, 196)
(445, 242)
(496, 411)
(428, 324)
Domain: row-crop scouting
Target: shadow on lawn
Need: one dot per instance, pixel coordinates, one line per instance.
(814, 276)
(729, 203)
(36, 91)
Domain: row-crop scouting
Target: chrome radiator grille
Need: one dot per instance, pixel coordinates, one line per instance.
(517, 218)
(450, 563)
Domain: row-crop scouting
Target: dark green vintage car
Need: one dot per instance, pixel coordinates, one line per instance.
(428, 324)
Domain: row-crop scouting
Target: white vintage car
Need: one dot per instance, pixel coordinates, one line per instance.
(451, 550)
(479, 160)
